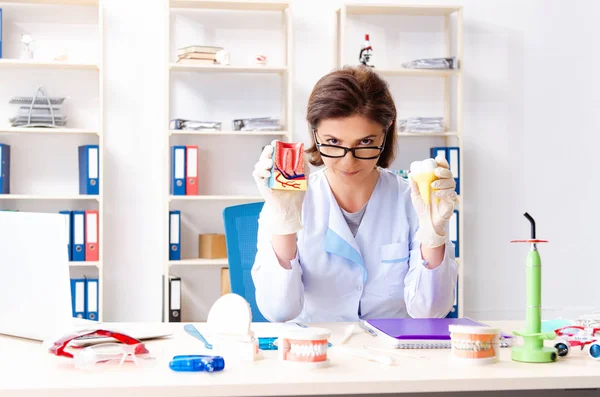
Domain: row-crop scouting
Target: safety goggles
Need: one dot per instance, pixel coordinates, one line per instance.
(361, 152)
(124, 349)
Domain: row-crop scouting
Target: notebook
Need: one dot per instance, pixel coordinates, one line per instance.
(422, 333)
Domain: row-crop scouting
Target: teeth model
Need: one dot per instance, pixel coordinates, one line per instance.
(422, 173)
(306, 347)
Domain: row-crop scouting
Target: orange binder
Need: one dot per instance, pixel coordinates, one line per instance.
(91, 236)
(191, 180)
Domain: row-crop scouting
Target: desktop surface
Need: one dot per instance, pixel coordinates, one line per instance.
(27, 369)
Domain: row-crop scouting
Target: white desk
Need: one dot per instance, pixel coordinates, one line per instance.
(26, 369)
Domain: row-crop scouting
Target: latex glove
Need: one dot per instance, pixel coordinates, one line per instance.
(284, 208)
(434, 217)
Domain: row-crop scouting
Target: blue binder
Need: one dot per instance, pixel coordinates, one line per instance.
(454, 161)
(438, 151)
(91, 303)
(89, 169)
(70, 233)
(174, 235)
(452, 155)
(178, 170)
(4, 169)
(78, 233)
(453, 229)
(454, 311)
(78, 297)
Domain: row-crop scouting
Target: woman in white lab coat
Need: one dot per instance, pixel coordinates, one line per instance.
(359, 243)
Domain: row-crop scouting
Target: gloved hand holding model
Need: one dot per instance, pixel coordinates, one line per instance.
(283, 208)
(434, 198)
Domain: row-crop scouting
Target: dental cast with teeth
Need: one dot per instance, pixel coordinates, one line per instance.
(360, 242)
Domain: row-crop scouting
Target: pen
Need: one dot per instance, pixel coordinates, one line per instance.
(367, 329)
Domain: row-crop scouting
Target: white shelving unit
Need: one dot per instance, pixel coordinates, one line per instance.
(32, 64)
(450, 20)
(240, 69)
(49, 196)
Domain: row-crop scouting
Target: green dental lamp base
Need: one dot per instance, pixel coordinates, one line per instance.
(533, 349)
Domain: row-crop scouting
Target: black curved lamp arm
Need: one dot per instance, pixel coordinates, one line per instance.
(532, 225)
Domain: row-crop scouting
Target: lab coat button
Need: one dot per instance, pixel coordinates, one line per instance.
(359, 288)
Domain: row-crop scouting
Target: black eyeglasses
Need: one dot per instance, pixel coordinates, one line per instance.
(362, 152)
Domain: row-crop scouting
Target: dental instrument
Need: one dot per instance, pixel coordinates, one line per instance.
(190, 329)
(366, 328)
(533, 349)
(366, 355)
(228, 324)
(271, 342)
(348, 333)
(197, 363)
(393, 352)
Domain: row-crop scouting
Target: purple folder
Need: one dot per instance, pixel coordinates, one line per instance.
(419, 328)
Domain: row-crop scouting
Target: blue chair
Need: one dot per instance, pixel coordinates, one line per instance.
(241, 229)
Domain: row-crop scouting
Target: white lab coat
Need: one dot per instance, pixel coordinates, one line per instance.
(333, 272)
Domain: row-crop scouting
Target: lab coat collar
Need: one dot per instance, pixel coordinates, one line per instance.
(339, 239)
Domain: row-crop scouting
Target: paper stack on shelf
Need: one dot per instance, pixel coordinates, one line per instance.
(422, 124)
(257, 124)
(183, 124)
(38, 111)
(198, 55)
(432, 63)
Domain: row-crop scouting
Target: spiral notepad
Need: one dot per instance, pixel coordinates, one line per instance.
(422, 333)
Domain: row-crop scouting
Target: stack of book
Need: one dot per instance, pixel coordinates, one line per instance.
(198, 55)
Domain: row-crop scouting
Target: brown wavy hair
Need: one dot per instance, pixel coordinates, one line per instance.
(353, 90)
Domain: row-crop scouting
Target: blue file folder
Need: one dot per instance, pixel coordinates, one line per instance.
(178, 163)
(89, 169)
(4, 169)
(453, 229)
(78, 233)
(174, 235)
(452, 155)
(70, 233)
(79, 297)
(438, 151)
(454, 311)
(91, 303)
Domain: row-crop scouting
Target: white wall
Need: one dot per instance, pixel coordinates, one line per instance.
(531, 95)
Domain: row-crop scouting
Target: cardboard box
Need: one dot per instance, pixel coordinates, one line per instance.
(212, 246)
(225, 285)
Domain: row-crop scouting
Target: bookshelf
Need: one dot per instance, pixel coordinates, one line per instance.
(44, 161)
(400, 33)
(218, 92)
(32, 64)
